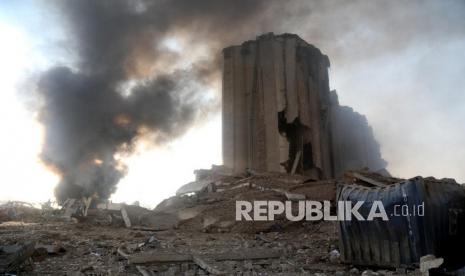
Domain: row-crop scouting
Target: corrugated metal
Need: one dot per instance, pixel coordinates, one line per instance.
(402, 240)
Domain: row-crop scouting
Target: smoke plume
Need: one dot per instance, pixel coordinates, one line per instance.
(126, 84)
(125, 81)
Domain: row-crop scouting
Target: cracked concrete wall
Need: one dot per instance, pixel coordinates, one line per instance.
(274, 96)
(279, 115)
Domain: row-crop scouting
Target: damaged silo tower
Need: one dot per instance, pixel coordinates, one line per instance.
(275, 106)
(279, 114)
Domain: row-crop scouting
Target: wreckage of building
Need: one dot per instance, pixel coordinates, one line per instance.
(286, 139)
(279, 114)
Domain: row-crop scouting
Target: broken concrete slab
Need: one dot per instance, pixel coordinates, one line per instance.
(70, 207)
(366, 179)
(51, 249)
(194, 187)
(429, 262)
(294, 196)
(192, 212)
(126, 219)
(158, 221)
(157, 256)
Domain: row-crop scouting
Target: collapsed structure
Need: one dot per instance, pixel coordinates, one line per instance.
(279, 114)
(285, 135)
(197, 232)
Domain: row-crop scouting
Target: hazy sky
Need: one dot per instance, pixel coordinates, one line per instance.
(402, 65)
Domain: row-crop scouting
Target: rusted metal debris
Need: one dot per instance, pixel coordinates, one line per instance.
(403, 239)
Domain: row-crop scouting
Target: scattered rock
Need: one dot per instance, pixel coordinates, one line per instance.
(369, 273)
(334, 256)
(428, 262)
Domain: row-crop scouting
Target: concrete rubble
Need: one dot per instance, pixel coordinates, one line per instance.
(194, 233)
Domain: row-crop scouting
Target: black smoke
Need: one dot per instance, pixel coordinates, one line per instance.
(87, 122)
(123, 84)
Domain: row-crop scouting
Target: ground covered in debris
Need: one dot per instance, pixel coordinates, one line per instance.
(89, 249)
(193, 233)
(86, 249)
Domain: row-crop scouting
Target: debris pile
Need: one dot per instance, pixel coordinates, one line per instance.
(17, 210)
(209, 204)
(196, 231)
